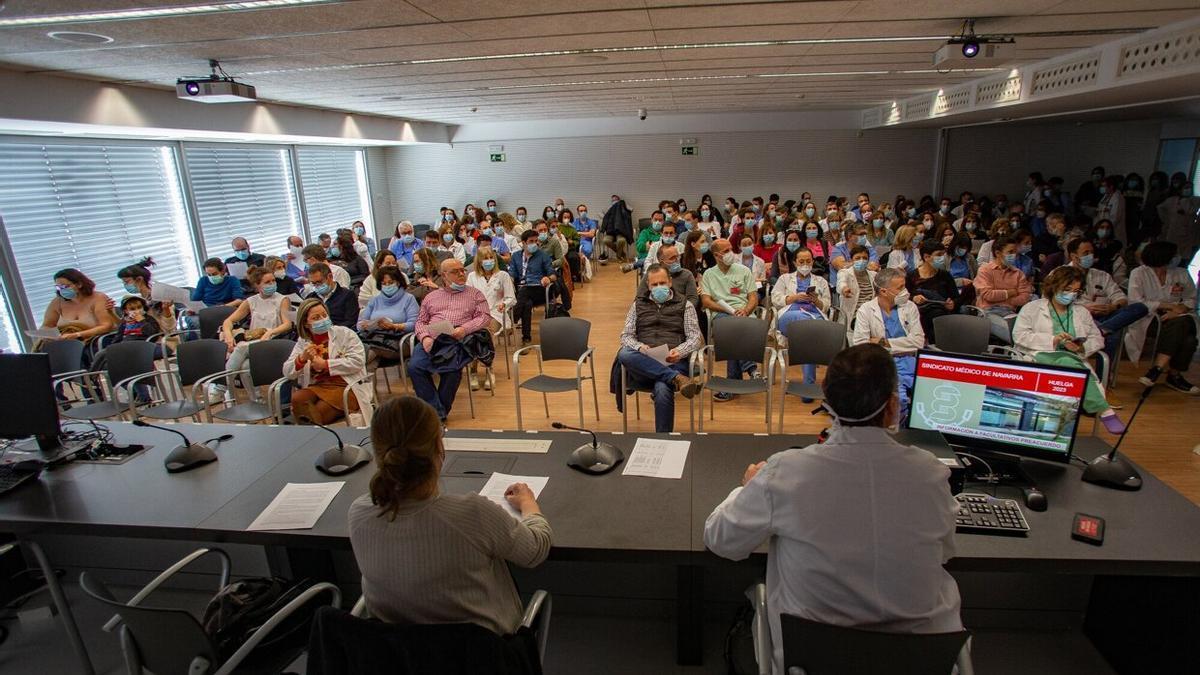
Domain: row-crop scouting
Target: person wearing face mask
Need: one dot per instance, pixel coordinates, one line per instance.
(882, 543)
(268, 314)
(963, 267)
(449, 245)
(340, 303)
(466, 309)
(943, 214)
(1108, 251)
(497, 286)
(532, 271)
(1057, 330)
(698, 259)
(370, 286)
(389, 316)
(217, 287)
(345, 255)
(784, 260)
(660, 316)
(707, 222)
(1034, 184)
(728, 290)
(682, 281)
(522, 218)
(425, 275)
(758, 268)
(1024, 262)
(242, 254)
(931, 287)
(880, 233)
(326, 359)
(856, 283)
(313, 254)
(136, 323)
(359, 229)
(1169, 291)
(1001, 227)
(766, 246)
(1001, 289)
(570, 242)
(799, 296)
(135, 279)
(1102, 297)
(814, 241)
(1179, 214)
(1111, 207)
(841, 253)
(586, 227)
(646, 237)
(294, 258)
(892, 321)
(1048, 246)
(904, 256)
(404, 244)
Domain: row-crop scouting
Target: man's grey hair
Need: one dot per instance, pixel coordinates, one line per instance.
(885, 276)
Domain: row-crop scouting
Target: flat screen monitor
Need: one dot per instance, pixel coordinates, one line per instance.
(1014, 407)
(27, 403)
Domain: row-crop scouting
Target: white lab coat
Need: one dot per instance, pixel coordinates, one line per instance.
(785, 286)
(1144, 288)
(347, 358)
(1100, 287)
(846, 279)
(898, 259)
(652, 252)
(868, 323)
(1034, 330)
(1181, 222)
(1112, 207)
(858, 529)
(498, 289)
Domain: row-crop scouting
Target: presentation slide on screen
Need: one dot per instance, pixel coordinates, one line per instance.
(1014, 404)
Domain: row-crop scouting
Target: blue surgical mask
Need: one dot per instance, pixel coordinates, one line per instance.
(520, 217)
(917, 239)
(457, 288)
(657, 225)
(67, 293)
(939, 262)
(812, 232)
(1103, 189)
(660, 294)
(321, 327)
(447, 217)
(878, 223)
(792, 246)
(531, 247)
(1174, 262)
(447, 238)
(1086, 261)
(910, 211)
(242, 255)
(1024, 249)
(1066, 297)
(960, 252)
(487, 231)
(583, 215)
(810, 212)
(703, 248)
(1102, 232)
(360, 231)
(1010, 259)
(860, 265)
(768, 239)
(669, 217)
(668, 240)
(407, 239)
(216, 279)
(389, 290)
(418, 267)
(704, 213)
(131, 289)
(970, 226)
(334, 251)
(675, 267)
(488, 264)
(321, 289)
(268, 290)
(543, 236)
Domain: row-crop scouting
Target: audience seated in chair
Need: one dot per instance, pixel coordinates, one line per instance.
(340, 302)
(532, 272)
(729, 289)
(325, 360)
(892, 321)
(389, 316)
(801, 296)
(1103, 298)
(1001, 289)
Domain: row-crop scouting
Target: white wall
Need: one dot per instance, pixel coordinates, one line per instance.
(645, 169)
(381, 194)
(997, 158)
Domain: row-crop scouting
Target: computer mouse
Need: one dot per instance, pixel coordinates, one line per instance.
(597, 459)
(188, 457)
(1035, 499)
(339, 462)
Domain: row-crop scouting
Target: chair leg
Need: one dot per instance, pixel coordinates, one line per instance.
(624, 403)
(783, 382)
(517, 401)
(546, 404)
(637, 404)
(64, 608)
(470, 394)
(595, 392)
(579, 391)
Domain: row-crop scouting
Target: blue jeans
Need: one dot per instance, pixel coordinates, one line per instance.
(735, 369)
(790, 316)
(1112, 324)
(644, 371)
(421, 370)
(585, 246)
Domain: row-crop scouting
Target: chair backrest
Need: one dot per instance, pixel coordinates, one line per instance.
(740, 338)
(564, 337)
(167, 640)
(211, 319)
(814, 341)
(65, 355)
(199, 358)
(126, 359)
(266, 360)
(821, 649)
(962, 333)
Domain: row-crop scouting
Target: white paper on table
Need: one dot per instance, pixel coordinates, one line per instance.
(499, 482)
(657, 458)
(659, 353)
(237, 269)
(298, 506)
(44, 333)
(439, 327)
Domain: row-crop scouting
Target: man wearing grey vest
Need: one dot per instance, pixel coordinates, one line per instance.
(661, 317)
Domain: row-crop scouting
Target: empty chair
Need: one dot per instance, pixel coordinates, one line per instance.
(126, 362)
(211, 319)
(561, 339)
(66, 356)
(265, 368)
(808, 343)
(738, 338)
(194, 361)
(962, 333)
(170, 641)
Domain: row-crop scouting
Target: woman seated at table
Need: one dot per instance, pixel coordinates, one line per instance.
(78, 310)
(325, 359)
(428, 557)
(389, 316)
(1057, 331)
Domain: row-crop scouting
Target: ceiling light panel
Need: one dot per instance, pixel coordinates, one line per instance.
(155, 12)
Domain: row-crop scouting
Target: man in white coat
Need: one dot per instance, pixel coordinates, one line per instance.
(845, 546)
(892, 321)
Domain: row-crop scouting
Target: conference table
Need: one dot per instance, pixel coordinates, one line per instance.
(1146, 575)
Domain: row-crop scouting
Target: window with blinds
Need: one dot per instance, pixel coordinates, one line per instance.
(243, 192)
(334, 186)
(94, 207)
(9, 340)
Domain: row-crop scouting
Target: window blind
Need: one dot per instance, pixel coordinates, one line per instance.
(243, 192)
(335, 193)
(96, 208)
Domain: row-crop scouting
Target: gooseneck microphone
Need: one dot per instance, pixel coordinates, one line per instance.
(341, 459)
(594, 457)
(1116, 472)
(186, 456)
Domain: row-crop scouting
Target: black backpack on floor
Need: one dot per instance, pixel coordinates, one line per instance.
(241, 607)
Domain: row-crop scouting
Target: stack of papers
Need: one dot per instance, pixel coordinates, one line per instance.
(657, 458)
(298, 506)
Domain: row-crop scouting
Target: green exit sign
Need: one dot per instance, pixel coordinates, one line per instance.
(689, 150)
(496, 157)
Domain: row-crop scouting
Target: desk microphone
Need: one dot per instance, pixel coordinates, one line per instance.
(184, 457)
(1116, 472)
(595, 457)
(342, 459)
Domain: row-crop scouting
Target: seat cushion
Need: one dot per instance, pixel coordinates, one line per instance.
(245, 412)
(171, 410)
(728, 385)
(549, 384)
(95, 411)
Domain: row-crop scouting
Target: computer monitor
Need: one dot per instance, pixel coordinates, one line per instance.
(1011, 407)
(27, 403)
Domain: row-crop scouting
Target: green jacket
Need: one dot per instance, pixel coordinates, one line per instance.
(647, 236)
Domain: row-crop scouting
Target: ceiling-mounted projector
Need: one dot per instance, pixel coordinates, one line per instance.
(218, 87)
(968, 50)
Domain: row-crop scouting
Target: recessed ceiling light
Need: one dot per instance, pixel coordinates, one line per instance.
(79, 38)
(154, 12)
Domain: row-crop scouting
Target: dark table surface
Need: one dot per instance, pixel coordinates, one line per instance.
(610, 517)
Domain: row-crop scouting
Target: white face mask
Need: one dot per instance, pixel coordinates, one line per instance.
(729, 258)
(902, 298)
(804, 270)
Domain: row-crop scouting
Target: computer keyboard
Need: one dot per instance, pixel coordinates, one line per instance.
(11, 477)
(984, 514)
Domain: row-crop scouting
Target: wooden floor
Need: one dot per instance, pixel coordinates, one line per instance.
(1163, 439)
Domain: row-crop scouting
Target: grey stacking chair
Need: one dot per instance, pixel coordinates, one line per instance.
(211, 319)
(808, 342)
(194, 361)
(66, 357)
(968, 334)
(560, 339)
(127, 362)
(627, 386)
(170, 641)
(738, 338)
(265, 368)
